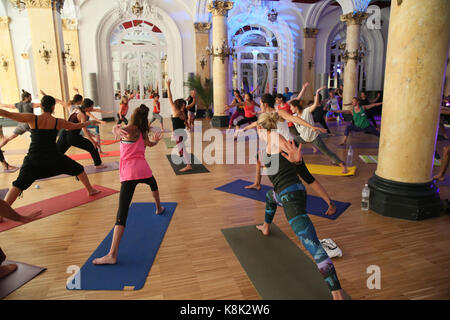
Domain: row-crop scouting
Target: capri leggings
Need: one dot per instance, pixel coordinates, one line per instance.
(246, 120)
(123, 119)
(126, 195)
(293, 201)
(2, 157)
(68, 139)
(235, 114)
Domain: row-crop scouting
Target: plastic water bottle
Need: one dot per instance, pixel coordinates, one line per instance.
(350, 156)
(365, 198)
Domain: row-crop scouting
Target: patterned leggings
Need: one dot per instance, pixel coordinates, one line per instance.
(293, 201)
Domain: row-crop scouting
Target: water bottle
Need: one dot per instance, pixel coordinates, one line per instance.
(365, 198)
(350, 157)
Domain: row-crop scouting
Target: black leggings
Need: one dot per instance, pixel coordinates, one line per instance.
(126, 195)
(68, 139)
(2, 157)
(323, 123)
(246, 120)
(371, 115)
(122, 119)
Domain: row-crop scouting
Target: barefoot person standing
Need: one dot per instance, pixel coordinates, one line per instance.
(290, 193)
(134, 170)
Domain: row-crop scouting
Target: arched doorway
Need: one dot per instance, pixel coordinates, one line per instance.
(139, 51)
(256, 59)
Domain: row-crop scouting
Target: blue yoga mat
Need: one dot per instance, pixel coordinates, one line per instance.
(142, 238)
(315, 205)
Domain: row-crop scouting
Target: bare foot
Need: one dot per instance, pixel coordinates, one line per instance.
(265, 229)
(9, 167)
(108, 259)
(315, 150)
(93, 192)
(254, 186)
(161, 210)
(33, 215)
(102, 166)
(331, 134)
(344, 168)
(342, 143)
(103, 152)
(338, 295)
(439, 177)
(187, 168)
(331, 210)
(7, 270)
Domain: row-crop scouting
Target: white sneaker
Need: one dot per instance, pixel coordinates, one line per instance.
(331, 248)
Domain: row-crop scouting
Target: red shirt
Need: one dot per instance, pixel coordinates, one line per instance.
(249, 110)
(286, 108)
(156, 110)
(124, 108)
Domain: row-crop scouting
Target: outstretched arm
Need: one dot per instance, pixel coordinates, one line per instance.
(370, 106)
(63, 124)
(9, 106)
(19, 117)
(95, 118)
(343, 111)
(9, 213)
(194, 100)
(376, 99)
(316, 99)
(59, 101)
(156, 138)
(169, 96)
(302, 92)
(290, 118)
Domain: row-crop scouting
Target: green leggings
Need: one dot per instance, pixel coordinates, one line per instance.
(293, 201)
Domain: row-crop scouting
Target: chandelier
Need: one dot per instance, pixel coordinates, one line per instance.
(260, 8)
(272, 15)
(135, 8)
(18, 4)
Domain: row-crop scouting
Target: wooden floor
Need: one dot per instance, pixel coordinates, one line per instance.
(195, 261)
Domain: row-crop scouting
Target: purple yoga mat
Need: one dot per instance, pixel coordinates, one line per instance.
(9, 171)
(111, 166)
(18, 278)
(445, 183)
(361, 146)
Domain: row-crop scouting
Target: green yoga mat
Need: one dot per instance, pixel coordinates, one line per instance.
(169, 143)
(374, 159)
(278, 269)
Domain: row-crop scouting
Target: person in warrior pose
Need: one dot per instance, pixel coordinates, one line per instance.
(290, 193)
(25, 106)
(43, 159)
(69, 138)
(134, 170)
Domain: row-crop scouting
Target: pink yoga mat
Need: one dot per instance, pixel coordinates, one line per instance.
(58, 204)
(85, 156)
(3, 193)
(111, 166)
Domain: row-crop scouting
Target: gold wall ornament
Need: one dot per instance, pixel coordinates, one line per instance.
(202, 27)
(310, 32)
(220, 7)
(355, 17)
(222, 52)
(4, 63)
(18, 4)
(44, 52)
(203, 62)
(25, 56)
(357, 55)
(53, 4)
(69, 24)
(4, 22)
(311, 63)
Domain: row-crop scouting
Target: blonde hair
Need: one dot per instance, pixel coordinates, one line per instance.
(268, 120)
(124, 100)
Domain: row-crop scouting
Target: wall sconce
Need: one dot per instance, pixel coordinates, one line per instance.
(203, 62)
(67, 57)
(310, 63)
(222, 52)
(45, 53)
(25, 56)
(4, 63)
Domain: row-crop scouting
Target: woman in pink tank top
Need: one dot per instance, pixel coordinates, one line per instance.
(134, 170)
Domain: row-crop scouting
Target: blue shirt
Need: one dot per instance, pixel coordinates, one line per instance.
(288, 96)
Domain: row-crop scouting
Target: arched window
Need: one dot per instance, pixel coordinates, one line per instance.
(139, 51)
(256, 59)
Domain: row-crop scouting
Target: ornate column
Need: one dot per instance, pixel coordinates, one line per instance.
(402, 186)
(48, 48)
(8, 78)
(203, 62)
(73, 62)
(220, 53)
(309, 58)
(351, 56)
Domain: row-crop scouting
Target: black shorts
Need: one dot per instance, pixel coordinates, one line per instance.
(42, 166)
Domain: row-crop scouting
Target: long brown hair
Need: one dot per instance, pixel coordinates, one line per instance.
(139, 118)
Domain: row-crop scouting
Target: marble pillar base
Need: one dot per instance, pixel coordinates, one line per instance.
(409, 201)
(220, 121)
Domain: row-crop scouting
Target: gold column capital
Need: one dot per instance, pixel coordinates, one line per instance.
(355, 17)
(220, 7)
(4, 22)
(310, 32)
(53, 4)
(69, 24)
(202, 27)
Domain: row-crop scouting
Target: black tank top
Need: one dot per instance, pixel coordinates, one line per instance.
(43, 140)
(74, 118)
(178, 123)
(285, 176)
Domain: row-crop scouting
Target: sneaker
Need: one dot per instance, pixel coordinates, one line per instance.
(331, 248)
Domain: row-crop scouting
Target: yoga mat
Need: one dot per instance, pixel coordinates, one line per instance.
(138, 248)
(84, 156)
(58, 204)
(18, 278)
(111, 166)
(369, 159)
(108, 142)
(16, 151)
(445, 183)
(10, 170)
(361, 146)
(196, 168)
(314, 205)
(169, 143)
(278, 269)
(330, 170)
(3, 193)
